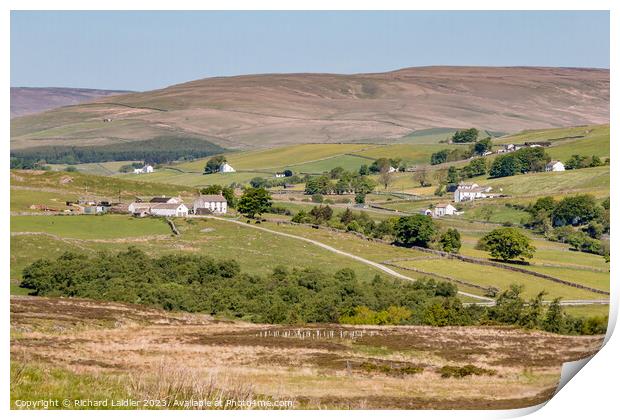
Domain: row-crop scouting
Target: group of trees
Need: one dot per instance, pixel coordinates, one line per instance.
(161, 149)
(258, 182)
(465, 136)
(348, 220)
(578, 220)
(476, 149)
(579, 162)
(421, 230)
(198, 283)
(339, 181)
(529, 159)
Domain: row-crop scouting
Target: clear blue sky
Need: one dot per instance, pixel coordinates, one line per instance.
(148, 50)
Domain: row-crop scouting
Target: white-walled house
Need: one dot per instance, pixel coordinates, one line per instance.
(226, 168)
(214, 203)
(444, 210)
(146, 169)
(468, 192)
(554, 166)
(169, 209)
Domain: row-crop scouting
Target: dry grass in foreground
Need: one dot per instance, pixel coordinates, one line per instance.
(73, 348)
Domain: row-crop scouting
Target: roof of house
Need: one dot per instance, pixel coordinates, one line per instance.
(211, 198)
(443, 205)
(553, 162)
(162, 199)
(166, 206)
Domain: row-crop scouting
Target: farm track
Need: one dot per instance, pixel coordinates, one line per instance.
(486, 301)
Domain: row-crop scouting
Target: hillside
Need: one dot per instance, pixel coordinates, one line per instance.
(276, 109)
(27, 100)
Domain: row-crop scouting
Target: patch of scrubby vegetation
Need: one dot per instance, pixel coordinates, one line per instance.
(449, 371)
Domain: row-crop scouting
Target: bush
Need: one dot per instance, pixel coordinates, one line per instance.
(449, 371)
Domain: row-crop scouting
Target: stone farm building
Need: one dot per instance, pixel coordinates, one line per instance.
(468, 192)
(206, 204)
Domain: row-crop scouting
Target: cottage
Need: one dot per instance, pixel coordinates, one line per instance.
(169, 209)
(214, 203)
(96, 209)
(146, 169)
(468, 192)
(554, 166)
(280, 175)
(165, 200)
(226, 168)
(392, 169)
(445, 209)
(427, 212)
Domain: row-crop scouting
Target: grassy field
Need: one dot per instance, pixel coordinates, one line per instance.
(85, 185)
(343, 367)
(90, 227)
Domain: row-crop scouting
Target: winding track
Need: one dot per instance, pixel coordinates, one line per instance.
(485, 300)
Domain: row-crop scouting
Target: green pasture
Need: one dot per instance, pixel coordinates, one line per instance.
(91, 227)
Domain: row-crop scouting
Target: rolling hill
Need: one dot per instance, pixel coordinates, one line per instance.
(28, 100)
(247, 112)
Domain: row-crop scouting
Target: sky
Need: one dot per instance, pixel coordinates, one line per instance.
(145, 50)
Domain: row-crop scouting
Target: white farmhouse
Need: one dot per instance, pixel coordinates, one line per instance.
(146, 169)
(467, 192)
(206, 204)
(446, 209)
(554, 166)
(169, 209)
(392, 169)
(225, 168)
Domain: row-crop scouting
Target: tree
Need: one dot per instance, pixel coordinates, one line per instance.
(288, 173)
(385, 177)
(465, 136)
(507, 244)
(213, 164)
(254, 201)
(439, 157)
(474, 168)
(576, 210)
(453, 175)
(380, 164)
(321, 214)
(554, 318)
(421, 177)
(364, 170)
(416, 230)
(450, 241)
(360, 198)
(483, 146)
(507, 165)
